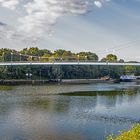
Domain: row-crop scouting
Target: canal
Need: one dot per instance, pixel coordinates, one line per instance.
(68, 112)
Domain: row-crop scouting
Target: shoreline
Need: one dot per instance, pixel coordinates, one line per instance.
(55, 81)
(15, 82)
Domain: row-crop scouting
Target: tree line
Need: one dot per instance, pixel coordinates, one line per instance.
(59, 72)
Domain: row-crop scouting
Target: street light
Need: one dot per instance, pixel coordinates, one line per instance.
(29, 75)
(20, 57)
(11, 56)
(78, 56)
(61, 59)
(86, 58)
(3, 54)
(31, 58)
(39, 58)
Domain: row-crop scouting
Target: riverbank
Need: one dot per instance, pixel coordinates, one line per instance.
(53, 81)
(87, 81)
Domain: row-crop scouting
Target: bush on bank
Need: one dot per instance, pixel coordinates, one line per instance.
(132, 134)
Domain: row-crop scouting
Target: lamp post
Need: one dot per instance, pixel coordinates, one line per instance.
(11, 57)
(78, 56)
(108, 69)
(20, 57)
(3, 56)
(39, 58)
(86, 58)
(53, 59)
(31, 58)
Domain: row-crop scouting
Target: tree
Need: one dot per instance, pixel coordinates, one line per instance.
(129, 69)
(110, 58)
(88, 56)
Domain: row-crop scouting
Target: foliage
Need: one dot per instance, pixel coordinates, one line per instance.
(110, 58)
(130, 69)
(133, 134)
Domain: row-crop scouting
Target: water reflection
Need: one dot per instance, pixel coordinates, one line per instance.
(48, 112)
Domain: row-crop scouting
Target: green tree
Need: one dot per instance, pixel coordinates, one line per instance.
(129, 69)
(110, 58)
(88, 56)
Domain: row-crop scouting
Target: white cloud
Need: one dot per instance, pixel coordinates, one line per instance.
(41, 15)
(10, 4)
(98, 3)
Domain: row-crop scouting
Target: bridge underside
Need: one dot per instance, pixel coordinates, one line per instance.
(68, 63)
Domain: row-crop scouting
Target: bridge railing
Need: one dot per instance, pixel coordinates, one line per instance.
(18, 58)
(51, 61)
(64, 61)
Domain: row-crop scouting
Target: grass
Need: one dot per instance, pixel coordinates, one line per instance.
(132, 134)
(6, 88)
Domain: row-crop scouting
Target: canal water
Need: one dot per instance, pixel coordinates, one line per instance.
(68, 112)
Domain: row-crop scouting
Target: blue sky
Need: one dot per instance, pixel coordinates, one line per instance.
(113, 27)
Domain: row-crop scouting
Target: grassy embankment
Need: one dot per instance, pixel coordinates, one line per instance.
(132, 134)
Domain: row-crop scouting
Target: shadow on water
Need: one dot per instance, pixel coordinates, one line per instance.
(111, 97)
(102, 93)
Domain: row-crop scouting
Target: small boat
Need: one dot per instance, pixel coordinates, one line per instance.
(138, 77)
(127, 78)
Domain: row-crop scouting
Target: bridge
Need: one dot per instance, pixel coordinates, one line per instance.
(69, 63)
(25, 60)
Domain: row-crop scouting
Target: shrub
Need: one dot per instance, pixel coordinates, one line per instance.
(132, 134)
